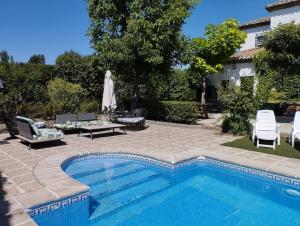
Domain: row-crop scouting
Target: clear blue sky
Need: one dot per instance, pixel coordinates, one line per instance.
(51, 27)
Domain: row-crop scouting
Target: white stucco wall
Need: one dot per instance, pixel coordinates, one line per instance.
(248, 69)
(233, 75)
(251, 36)
(284, 16)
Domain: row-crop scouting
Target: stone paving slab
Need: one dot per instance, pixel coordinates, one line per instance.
(33, 177)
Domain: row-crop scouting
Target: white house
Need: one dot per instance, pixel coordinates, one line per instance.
(241, 65)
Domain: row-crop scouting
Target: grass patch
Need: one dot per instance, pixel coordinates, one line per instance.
(284, 149)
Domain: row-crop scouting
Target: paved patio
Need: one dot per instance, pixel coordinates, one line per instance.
(33, 177)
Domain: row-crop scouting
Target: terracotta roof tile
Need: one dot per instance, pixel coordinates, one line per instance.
(282, 4)
(246, 55)
(256, 23)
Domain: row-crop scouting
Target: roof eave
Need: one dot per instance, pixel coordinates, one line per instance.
(242, 60)
(274, 7)
(240, 57)
(249, 26)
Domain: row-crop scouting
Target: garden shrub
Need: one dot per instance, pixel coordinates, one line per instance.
(174, 86)
(173, 111)
(179, 87)
(48, 111)
(89, 106)
(25, 88)
(33, 110)
(238, 106)
(64, 96)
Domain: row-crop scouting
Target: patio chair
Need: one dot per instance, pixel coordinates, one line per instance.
(86, 117)
(64, 122)
(295, 133)
(30, 134)
(135, 117)
(64, 118)
(266, 128)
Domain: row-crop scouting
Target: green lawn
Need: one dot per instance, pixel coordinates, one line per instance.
(284, 149)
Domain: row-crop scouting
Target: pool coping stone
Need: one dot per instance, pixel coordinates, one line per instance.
(46, 164)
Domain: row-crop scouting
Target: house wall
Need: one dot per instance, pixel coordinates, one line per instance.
(284, 16)
(248, 69)
(251, 36)
(231, 74)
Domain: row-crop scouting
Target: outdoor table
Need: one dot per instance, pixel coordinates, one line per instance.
(97, 128)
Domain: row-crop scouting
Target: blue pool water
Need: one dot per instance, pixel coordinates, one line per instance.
(129, 193)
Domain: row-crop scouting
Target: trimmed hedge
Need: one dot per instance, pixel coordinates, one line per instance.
(173, 111)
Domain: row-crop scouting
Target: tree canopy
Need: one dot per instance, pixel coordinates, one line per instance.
(37, 59)
(213, 50)
(280, 63)
(84, 70)
(137, 38)
(5, 58)
(70, 66)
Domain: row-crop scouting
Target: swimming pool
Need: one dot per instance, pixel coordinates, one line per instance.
(132, 190)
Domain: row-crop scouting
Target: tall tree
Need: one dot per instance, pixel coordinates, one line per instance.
(70, 66)
(4, 57)
(213, 51)
(37, 59)
(85, 70)
(138, 38)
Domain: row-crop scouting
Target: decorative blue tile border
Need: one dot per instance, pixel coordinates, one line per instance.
(38, 210)
(186, 163)
(154, 162)
(144, 159)
(246, 170)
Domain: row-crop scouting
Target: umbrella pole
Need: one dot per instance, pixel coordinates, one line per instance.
(111, 114)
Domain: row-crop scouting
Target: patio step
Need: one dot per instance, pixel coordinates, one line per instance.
(111, 173)
(81, 171)
(121, 183)
(104, 206)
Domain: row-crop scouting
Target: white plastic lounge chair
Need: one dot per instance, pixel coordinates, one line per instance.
(266, 128)
(295, 133)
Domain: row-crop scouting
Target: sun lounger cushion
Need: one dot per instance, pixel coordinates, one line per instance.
(39, 124)
(64, 126)
(76, 124)
(69, 125)
(49, 133)
(88, 123)
(131, 120)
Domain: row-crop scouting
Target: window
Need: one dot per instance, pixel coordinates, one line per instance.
(225, 84)
(259, 40)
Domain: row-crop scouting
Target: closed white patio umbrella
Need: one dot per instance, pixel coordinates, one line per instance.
(109, 96)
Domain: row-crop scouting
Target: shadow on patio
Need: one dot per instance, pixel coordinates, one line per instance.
(4, 204)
